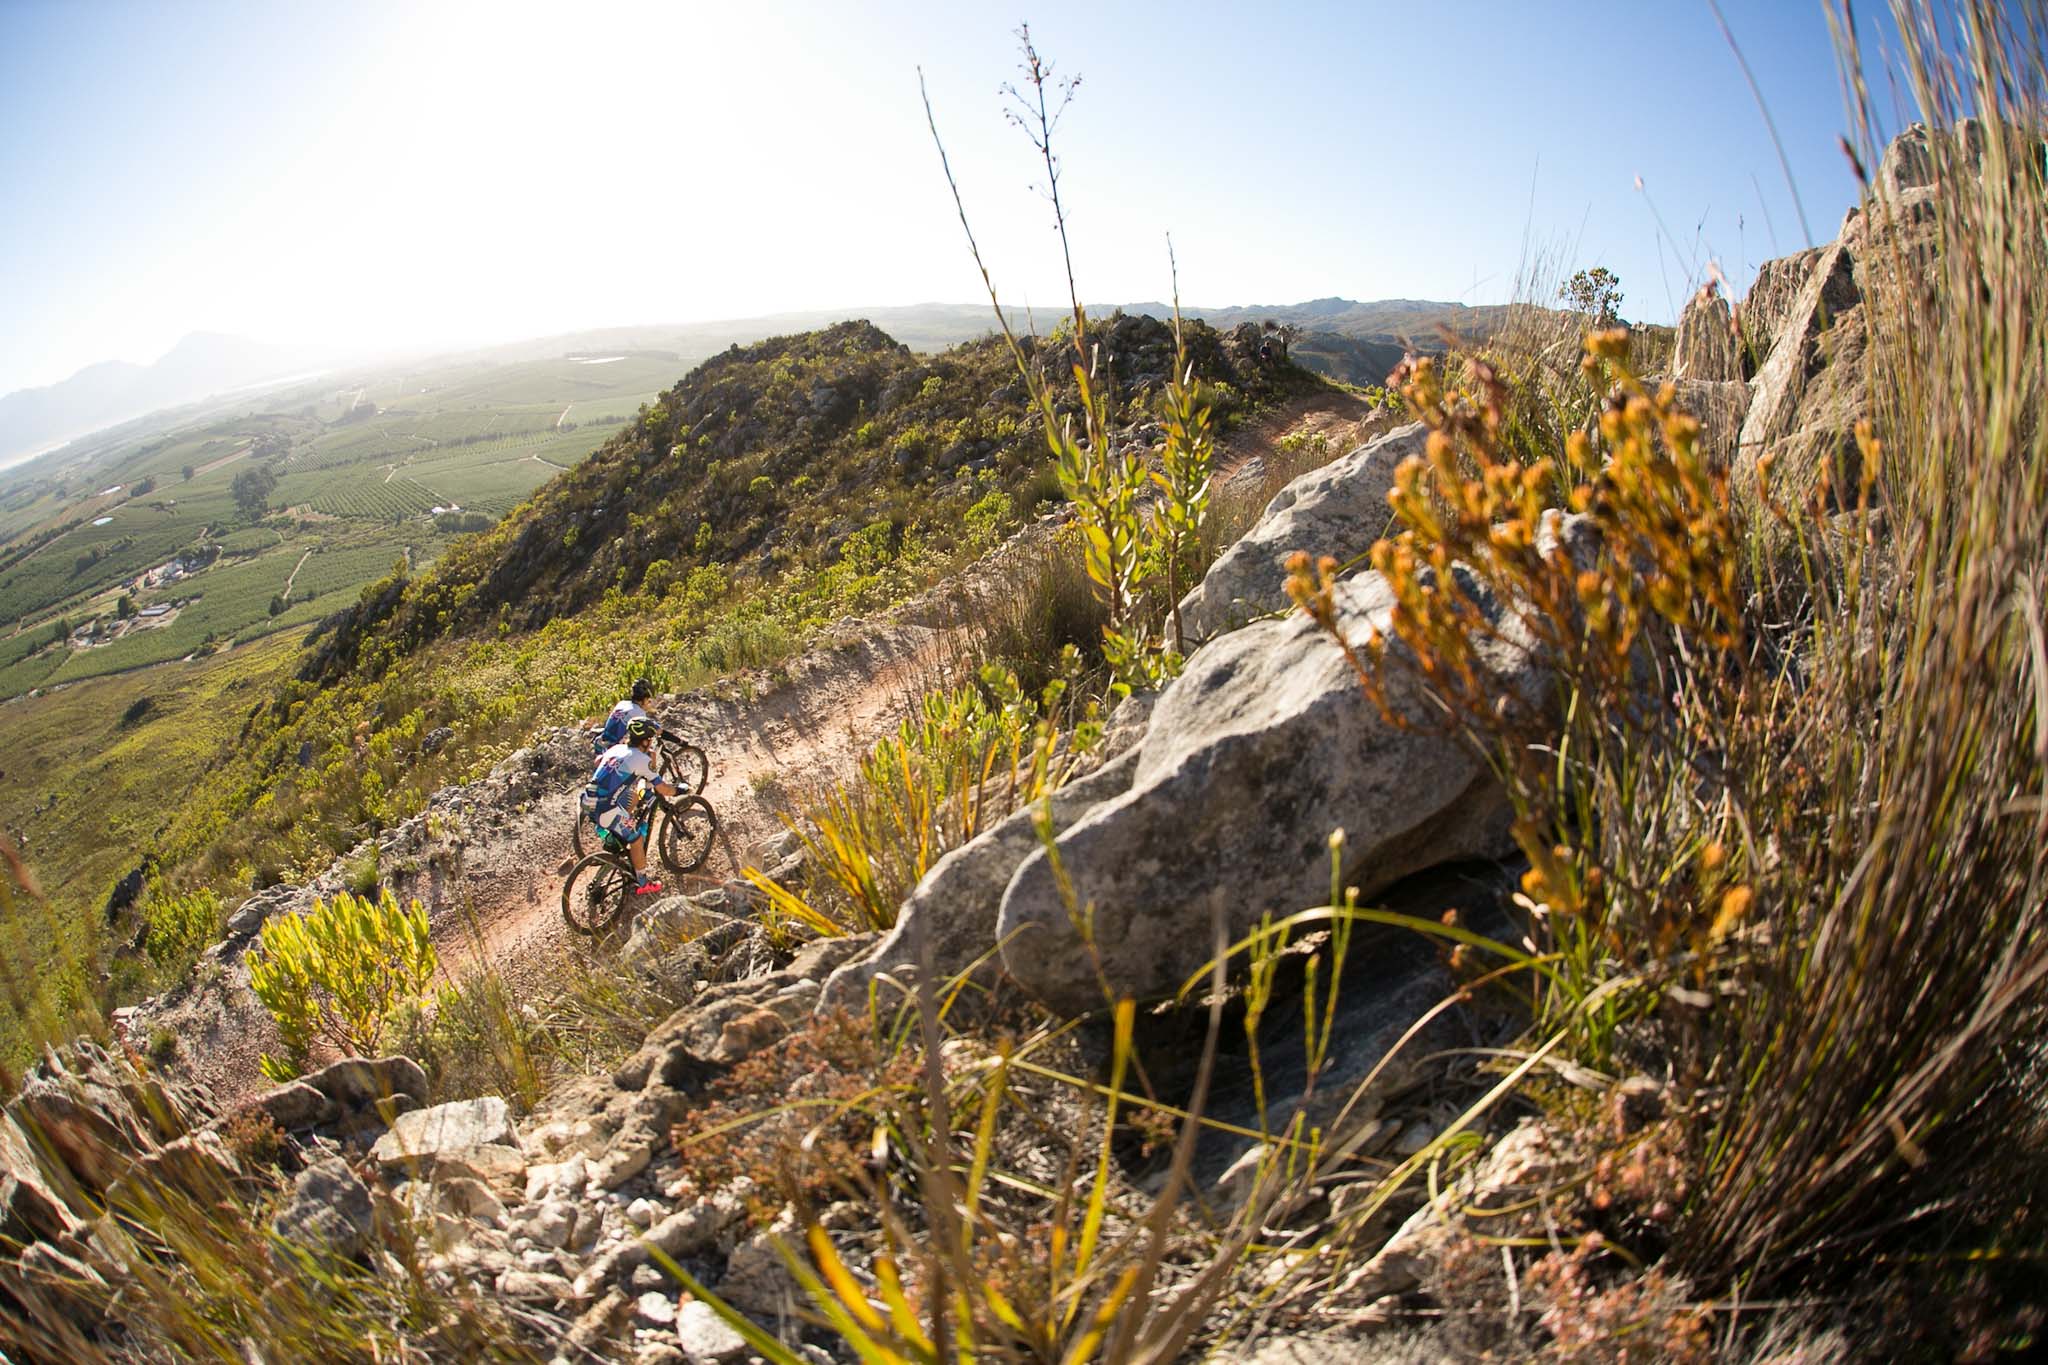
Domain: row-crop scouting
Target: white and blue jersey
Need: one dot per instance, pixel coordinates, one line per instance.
(614, 731)
(603, 798)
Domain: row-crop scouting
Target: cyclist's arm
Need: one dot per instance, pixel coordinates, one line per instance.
(641, 765)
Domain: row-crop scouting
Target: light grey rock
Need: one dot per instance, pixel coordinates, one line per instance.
(1340, 509)
(642, 1212)
(684, 1233)
(551, 1223)
(329, 1212)
(953, 909)
(555, 1180)
(655, 1309)
(535, 1286)
(467, 1197)
(705, 1337)
(355, 1083)
(475, 1135)
(1265, 745)
(757, 1280)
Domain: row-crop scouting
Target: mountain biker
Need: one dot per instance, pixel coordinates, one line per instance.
(628, 710)
(606, 798)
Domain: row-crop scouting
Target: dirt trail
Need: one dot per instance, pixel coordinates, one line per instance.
(837, 701)
(294, 577)
(1341, 417)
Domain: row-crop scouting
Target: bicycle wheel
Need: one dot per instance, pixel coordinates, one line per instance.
(687, 835)
(595, 892)
(685, 765)
(576, 823)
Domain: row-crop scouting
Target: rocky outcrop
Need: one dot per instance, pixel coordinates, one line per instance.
(1808, 385)
(1706, 348)
(1767, 305)
(1339, 509)
(1808, 319)
(1265, 745)
(949, 917)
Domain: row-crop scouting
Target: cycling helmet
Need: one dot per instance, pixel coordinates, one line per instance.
(639, 728)
(642, 689)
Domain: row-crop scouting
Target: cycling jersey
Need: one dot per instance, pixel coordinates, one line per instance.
(615, 773)
(624, 714)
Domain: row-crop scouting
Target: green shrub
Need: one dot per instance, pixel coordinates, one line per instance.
(363, 873)
(176, 927)
(339, 973)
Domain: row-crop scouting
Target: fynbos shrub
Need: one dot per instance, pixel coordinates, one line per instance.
(338, 974)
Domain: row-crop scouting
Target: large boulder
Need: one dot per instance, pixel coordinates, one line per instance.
(950, 917)
(357, 1083)
(1265, 745)
(1339, 509)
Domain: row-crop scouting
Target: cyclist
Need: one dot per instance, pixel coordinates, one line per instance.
(606, 801)
(628, 710)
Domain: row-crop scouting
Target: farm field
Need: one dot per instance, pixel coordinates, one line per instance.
(354, 467)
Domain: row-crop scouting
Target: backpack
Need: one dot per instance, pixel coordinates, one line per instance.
(604, 788)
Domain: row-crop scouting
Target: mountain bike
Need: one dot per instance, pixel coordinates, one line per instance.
(600, 883)
(684, 764)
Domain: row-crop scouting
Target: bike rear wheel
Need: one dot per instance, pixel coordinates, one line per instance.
(595, 892)
(686, 836)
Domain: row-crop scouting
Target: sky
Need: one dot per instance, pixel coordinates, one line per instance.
(371, 175)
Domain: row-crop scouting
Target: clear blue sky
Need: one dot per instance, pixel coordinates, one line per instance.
(371, 174)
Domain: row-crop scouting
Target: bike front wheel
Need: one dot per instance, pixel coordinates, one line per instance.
(687, 834)
(685, 765)
(595, 893)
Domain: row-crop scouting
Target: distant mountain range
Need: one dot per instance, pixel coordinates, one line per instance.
(203, 364)
(1344, 338)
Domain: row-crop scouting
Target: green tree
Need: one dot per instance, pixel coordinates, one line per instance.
(1594, 294)
(188, 471)
(124, 608)
(252, 489)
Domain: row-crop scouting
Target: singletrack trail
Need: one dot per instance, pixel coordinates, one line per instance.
(838, 700)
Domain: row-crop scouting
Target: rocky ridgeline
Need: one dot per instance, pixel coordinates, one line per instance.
(1212, 805)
